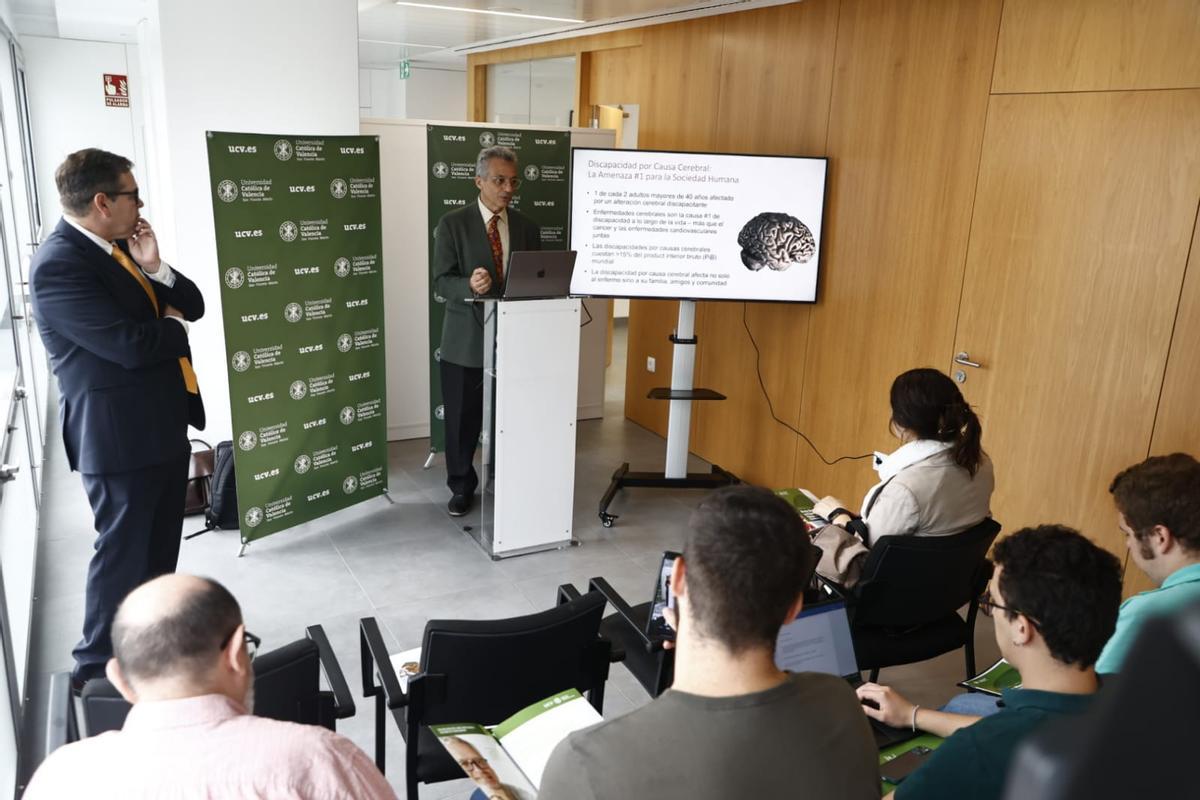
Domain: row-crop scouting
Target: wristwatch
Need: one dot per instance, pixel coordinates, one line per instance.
(837, 512)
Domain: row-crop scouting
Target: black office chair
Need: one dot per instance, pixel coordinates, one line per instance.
(650, 664)
(904, 609)
(481, 671)
(647, 660)
(1138, 737)
(287, 686)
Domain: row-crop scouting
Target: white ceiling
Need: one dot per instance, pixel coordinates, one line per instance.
(389, 33)
(384, 20)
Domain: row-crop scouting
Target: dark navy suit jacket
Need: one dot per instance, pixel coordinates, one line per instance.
(122, 398)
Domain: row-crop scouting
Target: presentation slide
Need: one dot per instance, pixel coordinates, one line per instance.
(696, 225)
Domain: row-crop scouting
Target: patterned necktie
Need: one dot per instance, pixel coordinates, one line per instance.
(493, 231)
(185, 366)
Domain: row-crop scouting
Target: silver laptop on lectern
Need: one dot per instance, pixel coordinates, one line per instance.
(539, 274)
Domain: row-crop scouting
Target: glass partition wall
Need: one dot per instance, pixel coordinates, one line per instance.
(24, 388)
(540, 92)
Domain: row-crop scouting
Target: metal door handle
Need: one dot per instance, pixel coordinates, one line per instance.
(9, 471)
(965, 359)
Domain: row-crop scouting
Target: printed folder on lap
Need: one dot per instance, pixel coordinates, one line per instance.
(993, 680)
(507, 761)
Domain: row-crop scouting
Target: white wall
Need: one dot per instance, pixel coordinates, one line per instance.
(381, 93)
(64, 78)
(268, 66)
(427, 94)
(436, 94)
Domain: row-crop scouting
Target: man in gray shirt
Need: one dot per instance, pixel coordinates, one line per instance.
(733, 724)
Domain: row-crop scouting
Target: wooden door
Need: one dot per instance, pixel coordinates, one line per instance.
(1081, 228)
(613, 117)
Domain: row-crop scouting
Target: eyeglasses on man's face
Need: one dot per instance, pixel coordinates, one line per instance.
(468, 764)
(987, 605)
(132, 193)
(252, 642)
(499, 181)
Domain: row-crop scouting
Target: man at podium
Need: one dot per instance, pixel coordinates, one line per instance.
(470, 257)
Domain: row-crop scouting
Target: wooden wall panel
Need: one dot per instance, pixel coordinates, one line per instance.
(1073, 279)
(560, 47)
(1177, 426)
(680, 76)
(650, 323)
(681, 54)
(739, 433)
(776, 70)
(477, 93)
(1098, 45)
(906, 124)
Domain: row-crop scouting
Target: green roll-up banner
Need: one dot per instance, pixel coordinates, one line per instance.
(300, 254)
(544, 157)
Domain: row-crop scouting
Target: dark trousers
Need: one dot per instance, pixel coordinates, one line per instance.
(462, 404)
(139, 519)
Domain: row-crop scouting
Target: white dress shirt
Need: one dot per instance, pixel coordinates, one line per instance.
(209, 748)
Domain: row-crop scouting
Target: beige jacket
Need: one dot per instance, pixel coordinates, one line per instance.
(932, 497)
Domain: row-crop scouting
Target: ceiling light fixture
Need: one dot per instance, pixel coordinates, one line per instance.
(484, 11)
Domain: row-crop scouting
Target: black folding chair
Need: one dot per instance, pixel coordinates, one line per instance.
(904, 609)
(647, 660)
(287, 686)
(481, 671)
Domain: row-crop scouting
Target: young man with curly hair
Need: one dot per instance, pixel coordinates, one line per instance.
(1158, 509)
(1054, 598)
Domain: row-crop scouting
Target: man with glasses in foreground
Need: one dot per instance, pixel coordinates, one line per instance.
(1053, 598)
(182, 658)
(113, 316)
(470, 258)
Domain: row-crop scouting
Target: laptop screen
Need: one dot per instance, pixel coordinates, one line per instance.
(818, 640)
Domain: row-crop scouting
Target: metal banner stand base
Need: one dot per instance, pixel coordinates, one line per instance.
(681, 394)
(429, 461)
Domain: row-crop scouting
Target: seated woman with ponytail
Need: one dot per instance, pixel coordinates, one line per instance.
(937, 483)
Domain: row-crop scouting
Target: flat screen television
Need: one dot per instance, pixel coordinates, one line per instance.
(696, 226)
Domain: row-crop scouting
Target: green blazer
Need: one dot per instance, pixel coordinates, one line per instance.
(460, 247)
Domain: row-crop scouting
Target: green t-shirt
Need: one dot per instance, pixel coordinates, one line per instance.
(1180, 589)
(973, 763)
(806, 738)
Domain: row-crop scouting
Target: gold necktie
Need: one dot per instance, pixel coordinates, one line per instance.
(185, 366)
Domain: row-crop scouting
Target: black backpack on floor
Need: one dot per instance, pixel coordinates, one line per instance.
(222, 513)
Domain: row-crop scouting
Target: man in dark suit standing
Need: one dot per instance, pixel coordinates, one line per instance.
(470, 258)
(113, 316)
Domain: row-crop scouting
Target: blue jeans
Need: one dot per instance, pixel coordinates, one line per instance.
(975, 704)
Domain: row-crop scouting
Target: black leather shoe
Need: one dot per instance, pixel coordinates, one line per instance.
(459, 505)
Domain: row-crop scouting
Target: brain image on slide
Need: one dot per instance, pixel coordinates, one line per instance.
(775, 240)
